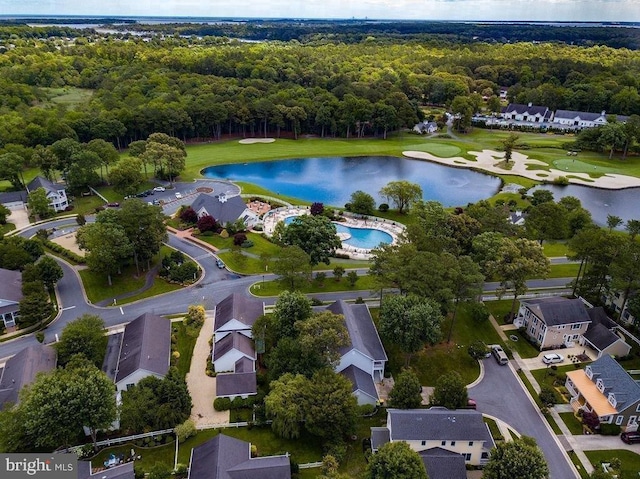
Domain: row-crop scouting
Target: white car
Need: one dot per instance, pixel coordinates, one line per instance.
(159, 188)
(178, 195)
(552, 358)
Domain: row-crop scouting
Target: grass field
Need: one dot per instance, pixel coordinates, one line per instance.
(630, 461)
(572, 422)
(273, 288)
(68, 96)
(185, 342)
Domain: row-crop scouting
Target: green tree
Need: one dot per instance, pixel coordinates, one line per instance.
(169, 159)
(35, 307)
(293, 266)
(323, 335)
(126, 176)
(290, 308)
(4, 212)
(315, 235)
(613, 222)
(406, 391)
(465, 280)
(106, 152)
(85, 335)
(396, 460)
(285, 405)
(520, 458)
(39, 204)
(49, 271)
(508, 144)
(338, 272)
(410, 322)
(330, 406)
(625, 271)
(450, 392)
(403, 193)
(83, 396)
(352, 278)
(477, 350)
(518, 260)
(11, 169)
(107, 246)
(547, 221)
(362, 203)
(541, 196)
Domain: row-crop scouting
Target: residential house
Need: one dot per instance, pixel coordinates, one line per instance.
(605, 388)
(576, 120)
(225, 457)
(615, 301)
(363, 360)
(234, 354)
(145, 350)
(602, 335)
(10, 296)
(121, 471)
(13, 200)
(527, 113)
(443, 464)
(21, 370)
(56, 194)
(461, 431)
(553, 322)
(427, 127)
(224, 209)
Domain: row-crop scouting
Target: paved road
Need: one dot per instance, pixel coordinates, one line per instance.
(500, 394)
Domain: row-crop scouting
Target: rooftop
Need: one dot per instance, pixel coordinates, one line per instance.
(239, 307)
(21, 370)
(556, 310)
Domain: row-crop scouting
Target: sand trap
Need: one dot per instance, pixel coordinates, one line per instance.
(69, 242)
(251, 141)
(488, 160)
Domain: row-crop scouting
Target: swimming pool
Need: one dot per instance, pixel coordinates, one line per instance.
(366, 238)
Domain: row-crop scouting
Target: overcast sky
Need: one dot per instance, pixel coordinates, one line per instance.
(552, 10)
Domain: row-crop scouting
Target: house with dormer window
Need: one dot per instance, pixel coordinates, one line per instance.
(527, 113)
(605, 388)
(55, 193)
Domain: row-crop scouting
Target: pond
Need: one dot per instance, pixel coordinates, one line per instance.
(332, 180)
(599, 202)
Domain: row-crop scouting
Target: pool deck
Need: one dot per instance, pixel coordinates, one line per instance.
(273, 217)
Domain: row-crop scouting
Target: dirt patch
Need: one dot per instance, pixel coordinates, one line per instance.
(204, 189)
(69, 242)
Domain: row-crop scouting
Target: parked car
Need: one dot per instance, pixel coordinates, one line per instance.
(113, 205)
(220, 263)
(178, 195)
(630, 437)
(552, 358)
(159, 188)
(499, 354)
(157, 202)
(471, 404)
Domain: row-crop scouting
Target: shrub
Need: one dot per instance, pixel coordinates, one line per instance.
(239, 238)
(247, 244)
(222, 404)
(609, 429)
(207, 223)
(383, 207)
(224, 234)
(189, 216)
(548, 396)
(320, 277)
(316, 302)
(359, 300)
(257, 228)
(316, 209)
(185, 430)
(561, 181)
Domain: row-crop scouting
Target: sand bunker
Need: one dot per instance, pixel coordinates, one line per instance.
(69, 242)
(251, 141)
(488, 160)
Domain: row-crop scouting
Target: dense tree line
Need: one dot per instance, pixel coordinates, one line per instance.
(198, 88)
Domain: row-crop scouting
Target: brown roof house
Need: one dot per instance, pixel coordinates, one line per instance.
(21, 370)
(225, 457)
(234, 354)
(10, 296)
(145, 350)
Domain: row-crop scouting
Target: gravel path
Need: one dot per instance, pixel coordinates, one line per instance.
(202, 387)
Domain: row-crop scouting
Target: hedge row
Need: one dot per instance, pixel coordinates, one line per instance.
(56, 248)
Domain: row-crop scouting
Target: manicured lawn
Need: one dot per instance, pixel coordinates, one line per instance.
(148, 455)
(433, 361)
(274, 288)
(630, 461)
(160, 286)
(524, 348)
(85, 205)
(69, 96)
(567, 270)
(553, 378)
(261, 246)
(4, 229)
(113, 196)
(499, 309)
(554, 249)
(252, 189)
(572, 422)
(185, 342)
(493, 428)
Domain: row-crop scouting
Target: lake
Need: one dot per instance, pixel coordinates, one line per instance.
(332, 180)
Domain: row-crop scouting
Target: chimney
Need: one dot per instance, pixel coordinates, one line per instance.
(530, 104)
(603, 112)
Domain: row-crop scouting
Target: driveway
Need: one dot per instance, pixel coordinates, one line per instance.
(502, 395)
(19, 217)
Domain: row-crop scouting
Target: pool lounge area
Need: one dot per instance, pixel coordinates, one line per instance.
(359, 234)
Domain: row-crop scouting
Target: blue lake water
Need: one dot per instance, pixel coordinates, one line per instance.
(332, 180)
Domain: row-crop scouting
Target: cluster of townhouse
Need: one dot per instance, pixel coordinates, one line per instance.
(543, 117)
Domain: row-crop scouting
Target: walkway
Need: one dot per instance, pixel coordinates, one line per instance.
(148, 283)
(202, 387)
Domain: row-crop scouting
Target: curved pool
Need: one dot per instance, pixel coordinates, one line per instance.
(366, 238)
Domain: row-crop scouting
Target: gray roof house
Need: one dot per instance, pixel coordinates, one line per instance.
(363, 360)
(56, 194)
(527, 113)
(462, 431)
(225, 457)
(13, 199)
(20, 370)
(10, 296)
(553, 322)
(224, 209)
(122, 471)
(145, 350)
(443, 464)
(236, 312)
(602, 335)
(605, 388)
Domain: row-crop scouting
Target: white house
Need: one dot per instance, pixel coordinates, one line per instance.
(145, 351)
(527, 113)
(462, 431)
(236, 312)
(56, 194)
(363, 360)
(230, 349)
(578, 119)
(10, 296)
